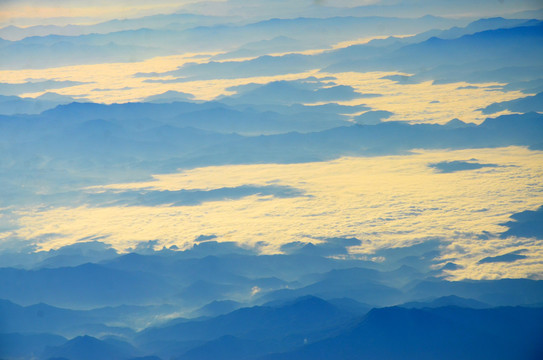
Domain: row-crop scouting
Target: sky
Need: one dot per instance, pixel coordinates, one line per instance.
(63, 12)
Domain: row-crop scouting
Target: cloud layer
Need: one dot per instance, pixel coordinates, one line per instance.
(383, 201)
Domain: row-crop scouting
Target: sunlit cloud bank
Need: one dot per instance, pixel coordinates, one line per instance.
(416, 103)
(117, 83)
(425, 102)
(384, 201)
(33, 12)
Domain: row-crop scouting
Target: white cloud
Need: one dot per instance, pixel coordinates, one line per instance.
(411, 103)
(384, 201)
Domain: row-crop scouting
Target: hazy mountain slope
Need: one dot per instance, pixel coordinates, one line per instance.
(84, 285)
(302, 316)
(27, 346)
(445, 333)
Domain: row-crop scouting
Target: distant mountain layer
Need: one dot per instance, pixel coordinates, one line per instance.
(134, 41)
(310, 328)
(147, 138)
(176, 21)
(498, 54)
(299, 305)
(86, 285)
(11, 105)
(177, 278)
